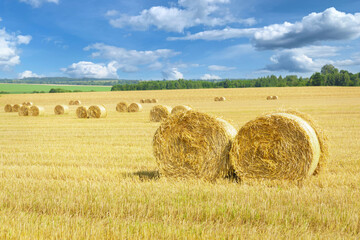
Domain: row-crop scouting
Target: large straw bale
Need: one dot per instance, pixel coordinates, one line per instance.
(81, 112)
(280, 145)
(222, 98)
(8, 108)
(16, 107)
(269, 98)
(97, 111)
(275, 98)
(216, 99)
(159, 113)
(61, 109)
(135, 107)
(36, 111)
(24, 110)
(154, 100)
(180, 108)
(122, 107)
(193, 144)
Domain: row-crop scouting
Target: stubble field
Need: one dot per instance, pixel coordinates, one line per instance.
(67, 178)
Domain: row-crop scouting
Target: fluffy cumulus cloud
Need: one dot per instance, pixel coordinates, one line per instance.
(92, 70)
(130, 60)
(187, 13)
(172, 74)
(209, 77)
(28, 74)
(38, 3)
(329, 25)
(220, 68)
(9, 52)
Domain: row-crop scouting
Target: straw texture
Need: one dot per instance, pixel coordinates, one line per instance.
(81, 112)
(154, 100)
(122, 107)
(147, 100)
(97, 111)
(24, 110)
(159, 113)
(216, 99)
(61, 109)
(135, 107)
(180, 108)
(222, 98)
(16, 107)
(36, 111)
(8, 108)
(193, 144)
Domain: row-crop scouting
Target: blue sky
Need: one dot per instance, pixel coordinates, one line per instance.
(191, 39)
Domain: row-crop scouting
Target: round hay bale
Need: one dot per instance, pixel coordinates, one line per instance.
(193, 144)
(180, 108)
(222, 98)
(8, 108)
(77, 102)
(24, 110)
(27, 104)
(142, 100)
(275, 98)
(71, 102)
(36, 111)
(154, 100)
(97, 111)
(122, 107)
(135, 107)
(276, 146)
(81, 112)
(147, 100)
(61, 109)
(159, 113)
(16, 107)
(269, 98)
(216, 99)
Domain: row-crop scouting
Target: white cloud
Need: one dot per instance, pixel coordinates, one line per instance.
(220, 68)
(172, 74)
(209, 77)
(28, 74)
(38, 3)
(92, 70)
(111, 13)
(189, 13)
(223, 34)
(130, 59)
(9, 52)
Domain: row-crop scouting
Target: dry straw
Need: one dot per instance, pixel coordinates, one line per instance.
(81, 112)
(180, 108)
(269, 98)
(24, 110)
(154, 100)
(8, 108)
(275, 97)
(193, 144)
(216, 99)
(27, 104)
(71, 102)
(36, 111)
(135, 107)
(122, 107)
(159, 113)
(222, 98)
(142, 100)
(77, 102)
(61, 109)
(281, 145)
(16, 108)
(147, 100)
(97, 111)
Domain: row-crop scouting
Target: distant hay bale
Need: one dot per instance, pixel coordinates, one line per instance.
(16, 107)
(154, 100)
(135, 107)
(222, 98)
(24, 110)
(77, 102)
(36, 111)
(61, 109)
(193, 144)
(81, 112)
(280, 146)
(142, 100)
(8, 108)
(180, 108)
(216, 99)
(159, 113)
(269, 98)
(275, 98)
(27, 104)
(147, 100)
(122, 107)
(97, 111)
(71, 102)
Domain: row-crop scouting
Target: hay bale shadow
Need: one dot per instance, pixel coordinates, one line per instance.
(147, 175)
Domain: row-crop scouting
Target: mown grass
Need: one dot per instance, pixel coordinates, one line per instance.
(30, 88)
(68, 178)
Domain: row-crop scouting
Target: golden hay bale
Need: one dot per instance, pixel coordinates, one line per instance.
(97, 111)
(77, 102)
(27, 104)
(159, 113)
(8, 108)
(154, 100)
(216, 99)
(276, 146)
(147, 100)
(142, 100)
(193, 144)
(269, 98)
(36, 111)
(135, 107)
(81, 112)
(24, 110)
(275, 98)
(222, 98)
(71, 102)
(61, 109)
(16, 107)
(180, 108)
(122, 107)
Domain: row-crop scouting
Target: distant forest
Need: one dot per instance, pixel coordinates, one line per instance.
(329, 76)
